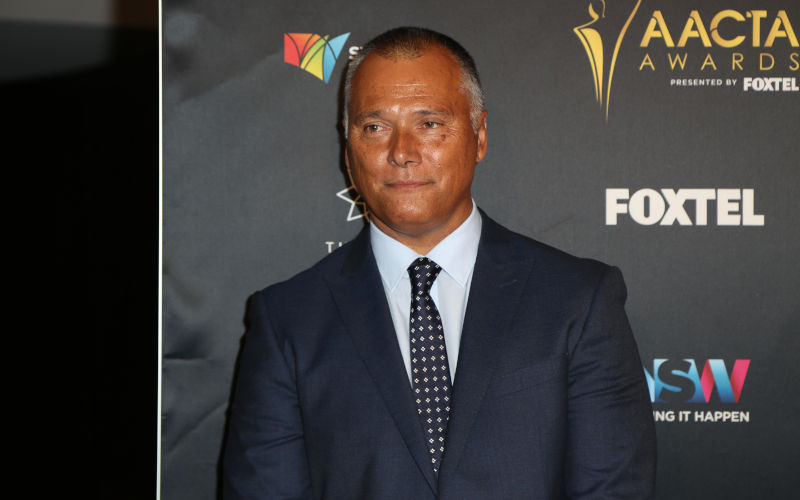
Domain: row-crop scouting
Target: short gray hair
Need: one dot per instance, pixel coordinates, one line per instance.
(410, 43)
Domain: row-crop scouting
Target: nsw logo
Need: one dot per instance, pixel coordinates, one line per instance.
(313, 53)
(680, 380)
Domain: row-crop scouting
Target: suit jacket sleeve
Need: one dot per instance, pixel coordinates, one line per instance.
(265, 454)
(611, 436)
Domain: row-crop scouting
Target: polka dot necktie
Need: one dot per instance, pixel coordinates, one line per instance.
(430, 372)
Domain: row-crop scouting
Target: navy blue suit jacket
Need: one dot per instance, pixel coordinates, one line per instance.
(549, 400)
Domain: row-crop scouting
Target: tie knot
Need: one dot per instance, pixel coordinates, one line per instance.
(423, 271)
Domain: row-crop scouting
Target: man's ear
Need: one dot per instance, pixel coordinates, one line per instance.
(482, 141)
(346, 144)
(347, 164)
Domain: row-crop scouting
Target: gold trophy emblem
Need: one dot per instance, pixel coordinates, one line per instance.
(592, 35)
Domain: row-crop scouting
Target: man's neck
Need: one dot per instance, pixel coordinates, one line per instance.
(424, 240)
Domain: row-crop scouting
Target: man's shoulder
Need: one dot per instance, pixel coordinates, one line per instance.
(311, 280)
(545, 258)
(551, 274)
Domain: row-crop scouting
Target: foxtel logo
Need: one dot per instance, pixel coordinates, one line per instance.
(787, 84)
(734, 207)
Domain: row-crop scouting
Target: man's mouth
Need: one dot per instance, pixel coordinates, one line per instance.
(407, 184)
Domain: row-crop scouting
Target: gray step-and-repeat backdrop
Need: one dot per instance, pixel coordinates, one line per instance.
(660, 136)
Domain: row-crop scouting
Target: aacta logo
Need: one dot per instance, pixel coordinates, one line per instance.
(683, 381)
(313, 53)
(727, 29)
(684, 207)
(601, 38)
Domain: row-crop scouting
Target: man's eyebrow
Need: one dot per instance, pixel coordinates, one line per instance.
(364, 116)
(423, 112)
(428, 112)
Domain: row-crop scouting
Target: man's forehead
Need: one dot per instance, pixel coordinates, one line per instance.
(401, 90)
(432, 60)
(376, 99)
(423, 76)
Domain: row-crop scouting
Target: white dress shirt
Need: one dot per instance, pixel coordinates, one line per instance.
(456, 256)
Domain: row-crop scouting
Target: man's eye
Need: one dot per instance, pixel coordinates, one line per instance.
(432, 124)
(372, 128)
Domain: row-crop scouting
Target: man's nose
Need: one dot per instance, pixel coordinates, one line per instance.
(404, 149)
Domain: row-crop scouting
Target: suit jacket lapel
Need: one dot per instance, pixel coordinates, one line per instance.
(361, 300)
(497, 283)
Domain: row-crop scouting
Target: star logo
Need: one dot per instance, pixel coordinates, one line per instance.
(358, 208)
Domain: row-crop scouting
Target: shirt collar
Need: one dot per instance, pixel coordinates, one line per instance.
(455, 254)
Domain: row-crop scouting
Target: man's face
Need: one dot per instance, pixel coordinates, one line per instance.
(411, 149)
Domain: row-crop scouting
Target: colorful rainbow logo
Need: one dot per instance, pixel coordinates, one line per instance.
(313, 53)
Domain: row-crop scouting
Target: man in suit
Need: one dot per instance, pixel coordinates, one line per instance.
(438, 355)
